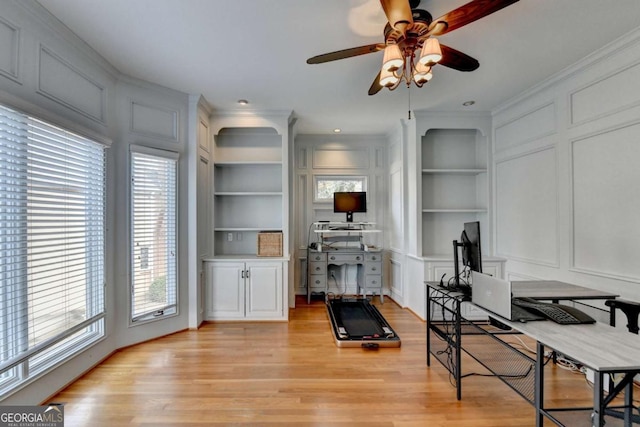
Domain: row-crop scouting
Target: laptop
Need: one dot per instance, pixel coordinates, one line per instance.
(494, 295)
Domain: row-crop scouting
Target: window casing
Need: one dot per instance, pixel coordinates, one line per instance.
(52, 246)
(325, 185)
(153, 234)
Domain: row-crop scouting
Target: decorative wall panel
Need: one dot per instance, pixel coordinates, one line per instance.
(340, 158)
(60, 81)
(606, 202)
(606, 96)
(529, 127)
(154, 122)
(9, 49)
(527, 207)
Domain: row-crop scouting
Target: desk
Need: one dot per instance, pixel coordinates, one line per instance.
(556, 291)
(593, 346)
(528, 372)
(369, 265)
(339, 244)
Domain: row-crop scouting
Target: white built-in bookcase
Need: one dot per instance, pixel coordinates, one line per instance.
(454, 187)
(248, 182)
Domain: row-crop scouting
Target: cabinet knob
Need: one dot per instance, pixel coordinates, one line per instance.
(333, 258)
(358, 258)
(374, 258)
(317, 282)
(373, 269)
(317, 258)
(317, 268)
(374, 282)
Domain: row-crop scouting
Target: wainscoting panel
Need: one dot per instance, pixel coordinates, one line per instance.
(61, 82)
(340, 158)
(154, 122)
(606, 202)
(605, 96)
(533, 125)
(9, 50)
(527, 207)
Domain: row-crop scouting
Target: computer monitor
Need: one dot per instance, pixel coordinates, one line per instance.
(350, 202)
(471, 253)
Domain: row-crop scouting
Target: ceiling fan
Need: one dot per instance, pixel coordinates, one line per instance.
(410, 34)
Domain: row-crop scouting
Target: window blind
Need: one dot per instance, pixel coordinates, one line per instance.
(52, 216)
(153, 241)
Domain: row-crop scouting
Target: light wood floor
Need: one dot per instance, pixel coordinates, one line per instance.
(293, 373)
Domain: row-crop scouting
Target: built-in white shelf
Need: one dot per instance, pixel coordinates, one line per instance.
(247, 163)
(454, 187)
(247, 193)
(454, 171)
(472, 210)
(351, 230)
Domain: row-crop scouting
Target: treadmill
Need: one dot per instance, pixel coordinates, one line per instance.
(357, 323)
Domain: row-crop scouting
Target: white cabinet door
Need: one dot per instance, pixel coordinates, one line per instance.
(263, 290)
(225, 290)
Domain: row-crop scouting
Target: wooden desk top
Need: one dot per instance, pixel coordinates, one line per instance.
(598, 346)
(553, 289)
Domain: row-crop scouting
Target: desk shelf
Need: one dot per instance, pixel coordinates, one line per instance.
(449, 333)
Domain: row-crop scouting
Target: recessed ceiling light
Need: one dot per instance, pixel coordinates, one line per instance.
(243, 102)
(468, 103)
(337, 130)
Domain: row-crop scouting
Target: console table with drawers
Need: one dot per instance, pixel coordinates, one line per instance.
(342, 244)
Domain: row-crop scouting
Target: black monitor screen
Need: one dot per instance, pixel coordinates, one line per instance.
(350, 202)
(471, 253)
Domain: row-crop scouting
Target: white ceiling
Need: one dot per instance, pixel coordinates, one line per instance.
(257, 50)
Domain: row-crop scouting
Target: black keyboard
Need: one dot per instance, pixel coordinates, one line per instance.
(558, 313)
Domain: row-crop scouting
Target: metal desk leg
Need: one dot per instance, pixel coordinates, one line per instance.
(428, 326)
(458, 346)
(628, 402)
(597, 416)
(539, 384)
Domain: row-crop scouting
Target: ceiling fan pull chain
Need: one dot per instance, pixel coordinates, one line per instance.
(409, 103)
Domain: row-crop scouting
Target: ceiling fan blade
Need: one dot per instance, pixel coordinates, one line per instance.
(375, 86)
(466, 14)
(398, 13)
(457, 60)
(346, 53)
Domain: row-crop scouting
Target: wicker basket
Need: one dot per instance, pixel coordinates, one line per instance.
(270, 243)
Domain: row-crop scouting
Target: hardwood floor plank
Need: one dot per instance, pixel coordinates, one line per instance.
(293, 374)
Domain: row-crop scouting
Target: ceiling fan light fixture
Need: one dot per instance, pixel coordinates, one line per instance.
(422, 73)
(388, 78)
(393, 59)
(431, 52)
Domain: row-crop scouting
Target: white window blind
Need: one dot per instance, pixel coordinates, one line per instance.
(52, 216)
(153, 241)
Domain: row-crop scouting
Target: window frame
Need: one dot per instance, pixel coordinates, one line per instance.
(22, 366)
(318, 178)
(171, 310)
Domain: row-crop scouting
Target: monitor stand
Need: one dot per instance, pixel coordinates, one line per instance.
(457, 286)
(349, 217)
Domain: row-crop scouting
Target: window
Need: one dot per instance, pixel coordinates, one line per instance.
(52, 230)
(326, 185)
(153, 234)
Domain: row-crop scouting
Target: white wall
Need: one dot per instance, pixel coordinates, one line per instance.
(566, 174)
(48, 72)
